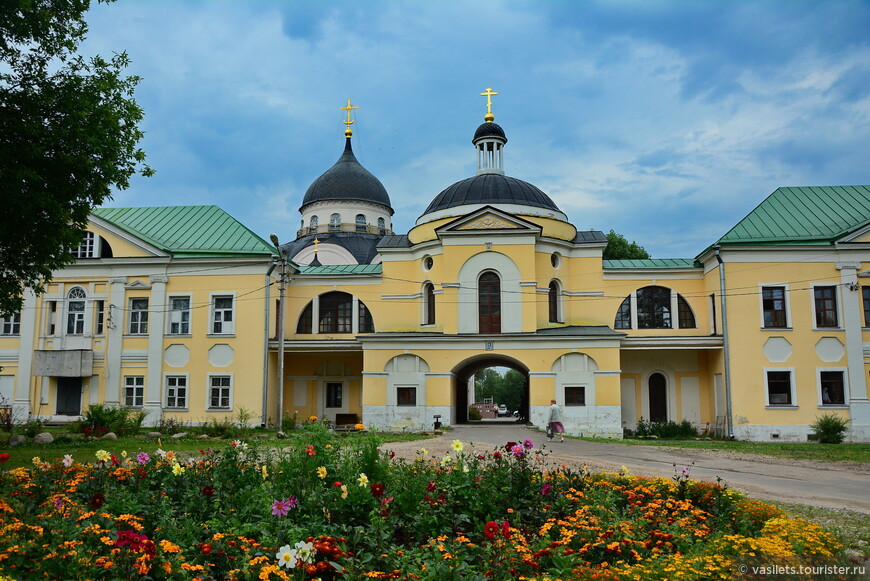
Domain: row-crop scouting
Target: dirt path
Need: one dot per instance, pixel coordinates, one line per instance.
(829, 485)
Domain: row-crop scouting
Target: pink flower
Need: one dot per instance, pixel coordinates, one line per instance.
(282, 507)
(528, 444)
(546, 490)
(143, 458)
(518, 451)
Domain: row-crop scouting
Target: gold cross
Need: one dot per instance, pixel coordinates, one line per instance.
(316, 242)
(488, 94)
(349, 121)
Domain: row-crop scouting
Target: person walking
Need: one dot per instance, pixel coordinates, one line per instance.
(554, 422)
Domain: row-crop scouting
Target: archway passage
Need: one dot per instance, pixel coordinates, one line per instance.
(464, 374)
(658, 398)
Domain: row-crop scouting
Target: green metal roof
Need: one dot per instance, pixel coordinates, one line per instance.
(188, 230)
(652, 263)
(808, 215)
(339, 269)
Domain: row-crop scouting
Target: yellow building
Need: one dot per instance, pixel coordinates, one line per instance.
(755, 337)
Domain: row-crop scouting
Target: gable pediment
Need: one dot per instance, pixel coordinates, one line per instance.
(137, 285)
(489, 218)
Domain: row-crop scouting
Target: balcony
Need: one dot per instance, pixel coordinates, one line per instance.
(343, 227)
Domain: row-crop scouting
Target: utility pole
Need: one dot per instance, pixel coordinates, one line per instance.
(282, 286)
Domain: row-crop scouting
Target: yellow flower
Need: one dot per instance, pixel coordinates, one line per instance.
(445, 460)
(321, 471)
(424, 451)
(360, 427)
(263, 472)
(344, 490)
(363, 480)
(36, 461)
(123, 453)
(103, 456)
(177, 469)
(457, 446)
(312, 419)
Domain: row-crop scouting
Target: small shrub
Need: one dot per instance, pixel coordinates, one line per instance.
(32, 427)
(169, 426)
(100, 419)
(288, 423)
(669, 430)
(474, 414)
(830, 428)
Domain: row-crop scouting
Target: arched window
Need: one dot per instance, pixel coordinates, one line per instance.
(428, 304)
(335, 223)
(553, 296)
(336, 313)
(654, 308)
(312, 225)
(489, 303)
(684, 312)
(365, 322)
(623, 315)
(382, 226)
(361, 224)
(75, 311)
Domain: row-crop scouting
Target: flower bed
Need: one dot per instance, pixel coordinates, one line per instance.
(339, 508)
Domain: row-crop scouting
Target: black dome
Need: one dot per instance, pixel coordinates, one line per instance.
(347, 180)
(491, 188)
(489, 129)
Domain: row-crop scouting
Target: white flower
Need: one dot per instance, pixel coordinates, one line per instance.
(305, 551)
(161, 452)
(286, 557)
(67, 460)
(446, 460)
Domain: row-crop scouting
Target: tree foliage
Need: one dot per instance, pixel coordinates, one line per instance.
(620, 248)
(503, 389)
(69, 133)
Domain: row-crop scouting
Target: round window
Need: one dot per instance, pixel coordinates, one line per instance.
(555, 260)
(427, 263)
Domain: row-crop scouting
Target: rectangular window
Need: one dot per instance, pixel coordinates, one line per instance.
(99, 317)
(833, 388)
(825, 298)
(134, 391)
(219, 392)
(222, 316)
(773, 306)
(11, 326)
(176, 391)
(865, 291)
(333, 395)
(406, 396)
(779, 388)
(179, 316)
(52, 317)
(75, 318)
(139, 316)
(714, 329)
(575, 395)
(87, 246)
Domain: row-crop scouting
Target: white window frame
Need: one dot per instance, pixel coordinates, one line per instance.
(167, 387)
(227, 327)
(75, 319)
(178, 314)
(99, 307)
(845, 372)
(786, 297)
(136, 317)
(838, 310)
(792, 385)
(211, 377)
(11, 326)
(137, 384)
(87, 248)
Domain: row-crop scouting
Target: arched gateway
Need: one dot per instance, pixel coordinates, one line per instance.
(464, 378)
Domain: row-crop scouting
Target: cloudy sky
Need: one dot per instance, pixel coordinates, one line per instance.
(665, 121)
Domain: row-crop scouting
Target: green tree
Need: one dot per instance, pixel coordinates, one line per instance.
(503, 389)
(69, 133)
(619, 248)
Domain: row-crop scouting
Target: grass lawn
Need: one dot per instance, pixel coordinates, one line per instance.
(859, 453)
(84, 450)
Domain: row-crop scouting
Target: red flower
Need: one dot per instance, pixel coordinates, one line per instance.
(208, 490)
(506, 529)
(205, 548)
(431, 487)
(377, 490)
(509, 446)
(97, 500)
(490, 530)
(4, 457)
(496, 455)
(337, 484)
